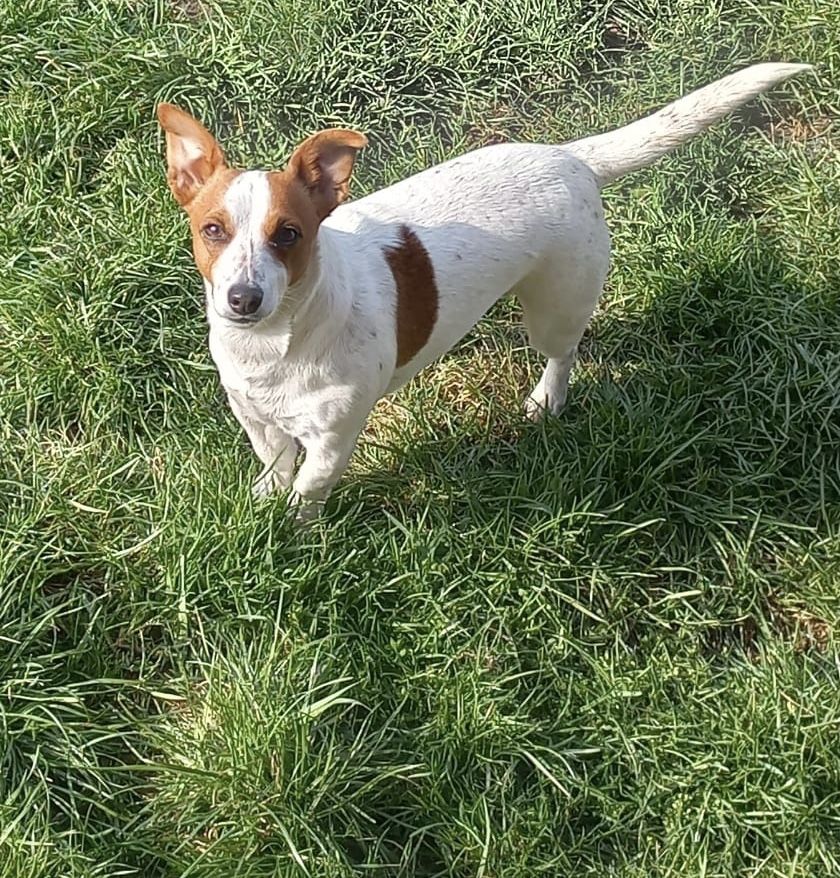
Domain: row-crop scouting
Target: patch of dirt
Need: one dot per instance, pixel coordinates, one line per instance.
(495, 127)
(785, 126)
(191, 9)
(742, 636)
(616, 36)
(805, 631)
(797, 130)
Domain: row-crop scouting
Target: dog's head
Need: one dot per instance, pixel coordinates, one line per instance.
(254, 231)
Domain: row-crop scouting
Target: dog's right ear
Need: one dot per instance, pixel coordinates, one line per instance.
(192, 154)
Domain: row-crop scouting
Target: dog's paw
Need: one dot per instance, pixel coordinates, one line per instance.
(267, 483)
(307, 511)
(542, 401)
(536, 408)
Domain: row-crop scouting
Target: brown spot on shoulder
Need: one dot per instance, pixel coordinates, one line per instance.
(417, 293)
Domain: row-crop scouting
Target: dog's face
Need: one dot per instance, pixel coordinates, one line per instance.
(253, 231)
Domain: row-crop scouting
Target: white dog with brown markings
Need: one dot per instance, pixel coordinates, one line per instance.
(318, 308)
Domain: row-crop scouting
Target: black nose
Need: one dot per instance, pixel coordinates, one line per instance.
(244, 298)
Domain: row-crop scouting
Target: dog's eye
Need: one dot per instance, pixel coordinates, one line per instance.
(213, 232)
(285, 236)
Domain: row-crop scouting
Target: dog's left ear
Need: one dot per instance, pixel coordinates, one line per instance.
(324, 163)
(192, 153)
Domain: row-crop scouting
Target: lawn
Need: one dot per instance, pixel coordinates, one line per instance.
(601, 646)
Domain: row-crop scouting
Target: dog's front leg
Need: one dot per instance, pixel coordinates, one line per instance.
(276, 450)
(278, 453)
(327, 456)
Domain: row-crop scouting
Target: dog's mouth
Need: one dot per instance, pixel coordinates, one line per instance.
(243, 320)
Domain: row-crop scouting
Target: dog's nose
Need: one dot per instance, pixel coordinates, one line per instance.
(244, 298)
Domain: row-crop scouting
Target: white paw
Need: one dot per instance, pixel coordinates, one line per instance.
(267, 483)
(540, 403)
(534, 408)
(307, 511)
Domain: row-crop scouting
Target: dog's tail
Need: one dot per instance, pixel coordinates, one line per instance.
(641, 143)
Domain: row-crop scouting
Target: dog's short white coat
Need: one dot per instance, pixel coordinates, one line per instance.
(514, 218)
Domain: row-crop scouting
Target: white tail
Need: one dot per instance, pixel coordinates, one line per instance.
(641, 143)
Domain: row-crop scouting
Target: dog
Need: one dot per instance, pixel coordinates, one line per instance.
(317, 308)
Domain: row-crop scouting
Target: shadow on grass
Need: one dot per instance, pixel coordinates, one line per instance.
(746, 365)
(706, 421)
(695, 471)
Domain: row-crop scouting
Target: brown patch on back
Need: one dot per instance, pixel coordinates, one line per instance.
(291, 205)
(417, 294)
(208, 207)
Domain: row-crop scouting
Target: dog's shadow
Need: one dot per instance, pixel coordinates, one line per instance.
(705, 411)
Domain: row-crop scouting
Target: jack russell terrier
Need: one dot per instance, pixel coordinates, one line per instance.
(318, 308)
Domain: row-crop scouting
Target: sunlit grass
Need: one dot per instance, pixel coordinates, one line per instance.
(600, 646)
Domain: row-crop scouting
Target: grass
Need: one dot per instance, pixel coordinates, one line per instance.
(605, 646)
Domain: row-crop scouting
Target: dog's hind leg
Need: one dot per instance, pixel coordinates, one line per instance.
(551, 390)
(557, 302)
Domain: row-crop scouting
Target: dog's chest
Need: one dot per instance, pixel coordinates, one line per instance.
(258, 385)
(267, 388)
(266, 403)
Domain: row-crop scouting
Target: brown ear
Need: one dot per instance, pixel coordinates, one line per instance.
(324, 163)
(191, 152)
